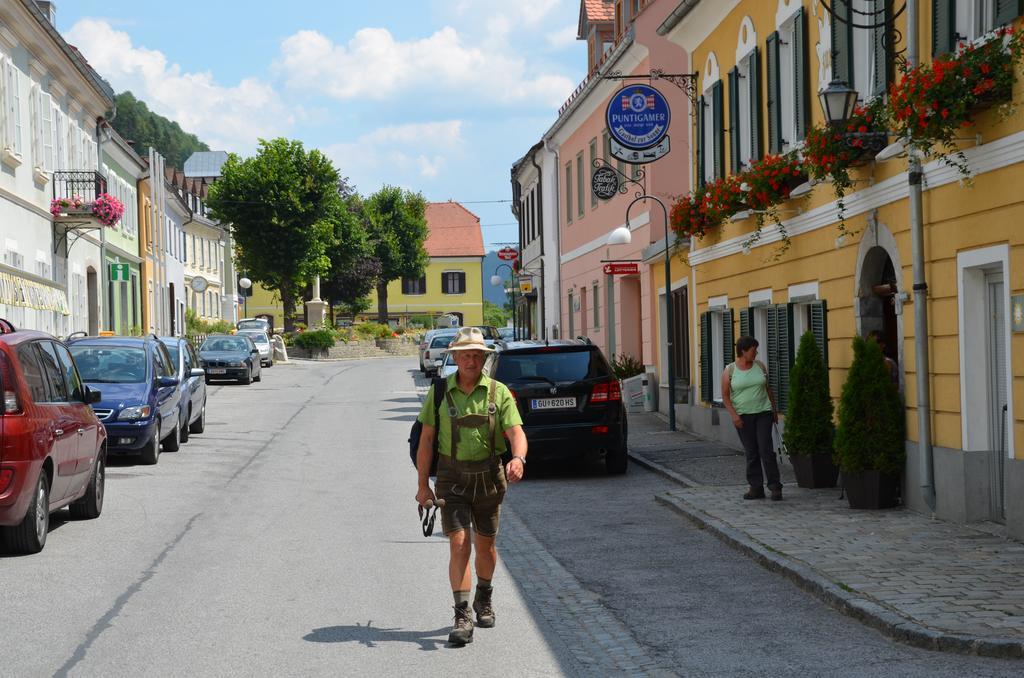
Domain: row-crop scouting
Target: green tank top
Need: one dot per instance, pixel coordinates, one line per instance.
(749, 390)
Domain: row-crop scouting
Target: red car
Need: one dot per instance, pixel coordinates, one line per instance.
(52, 446)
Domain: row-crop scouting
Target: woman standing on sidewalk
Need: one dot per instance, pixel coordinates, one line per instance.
(751, 404)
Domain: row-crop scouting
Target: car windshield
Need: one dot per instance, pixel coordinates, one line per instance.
(555, 366)
(507, 333)
(489, 332)
(442, 341)
(225, 344)
(110, 364)
(252, 324)
(257, 337)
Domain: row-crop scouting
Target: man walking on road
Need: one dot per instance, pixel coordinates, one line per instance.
(475, 417)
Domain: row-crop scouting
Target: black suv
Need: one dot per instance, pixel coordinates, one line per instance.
(569, 399)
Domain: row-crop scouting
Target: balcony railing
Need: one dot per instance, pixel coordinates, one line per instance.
(86, 184)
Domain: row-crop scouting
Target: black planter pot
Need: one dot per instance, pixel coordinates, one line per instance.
(814, 470)
(871, 489)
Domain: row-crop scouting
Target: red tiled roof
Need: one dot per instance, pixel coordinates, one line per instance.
(454, 231)
(599, 10)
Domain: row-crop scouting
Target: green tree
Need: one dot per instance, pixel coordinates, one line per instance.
(353, 269)
(399, 225)
(135, 122)
(495, 315)
(283, 206)
(871, 431)
(809, 427)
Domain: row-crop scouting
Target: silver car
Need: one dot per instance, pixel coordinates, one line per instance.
(262, 341)
(427, 365)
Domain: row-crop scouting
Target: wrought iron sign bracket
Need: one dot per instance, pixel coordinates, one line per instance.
(638, 172)
(69, 232)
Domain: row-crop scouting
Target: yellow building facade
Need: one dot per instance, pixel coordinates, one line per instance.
(761, 64)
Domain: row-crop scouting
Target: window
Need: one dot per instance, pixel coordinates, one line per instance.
(71, 377)
(788, 102)
(956, 21)
(681, 334)
(862, 56)
(716, 351)
(744, 112)
(593, 154)
(583, 311)
(453, 282)
(597, 313)
(414, 285)
(33, 371)
(11, 104)
(568, 192)
(710, 133)
(41, 117)
(579, 183)
(53, 372)
(572, 318)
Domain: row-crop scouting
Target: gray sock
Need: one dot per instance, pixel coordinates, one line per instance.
(461, 597)
(482, 583)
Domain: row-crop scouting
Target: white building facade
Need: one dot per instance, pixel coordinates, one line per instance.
(51, 103)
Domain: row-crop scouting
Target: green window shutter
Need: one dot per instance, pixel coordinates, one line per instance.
(1008, 10)
(801, 78)
(943, 26)
(718, 128)
(773, 349)
(707, 389)
(746, 321)
(842, 42)
(881, 39)
(819, 326)
(784, 334)
(728, 339)
(774, 95)
(701, 106)
(754, 82)
(736, 163)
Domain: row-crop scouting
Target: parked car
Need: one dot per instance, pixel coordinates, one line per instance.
(507, 333)
(426, 367)
(191, 384)
(54, 449)
(448, 366)
(255, 324)
(226, 356)
(262, 341)
(141, 403)
(437, 350)
(569, 399)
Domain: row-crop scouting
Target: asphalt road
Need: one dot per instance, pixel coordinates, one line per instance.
(284, 541)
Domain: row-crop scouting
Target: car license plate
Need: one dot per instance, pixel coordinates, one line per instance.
(218, 370)
(552, 403)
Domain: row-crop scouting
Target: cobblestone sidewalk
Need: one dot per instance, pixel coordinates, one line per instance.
(927, 582)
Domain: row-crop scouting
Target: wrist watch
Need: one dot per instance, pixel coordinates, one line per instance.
(521, 459)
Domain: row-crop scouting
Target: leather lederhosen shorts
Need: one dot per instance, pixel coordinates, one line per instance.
(473, 492)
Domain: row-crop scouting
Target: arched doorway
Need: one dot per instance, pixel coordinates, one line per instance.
(630, 320)
(92, 292)
(880, 295)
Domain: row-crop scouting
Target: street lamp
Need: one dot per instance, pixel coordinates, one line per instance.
(498, 280)
(245, 284)
(623, 236)
(838, 101)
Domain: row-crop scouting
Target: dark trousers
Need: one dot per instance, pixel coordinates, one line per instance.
(756, 436)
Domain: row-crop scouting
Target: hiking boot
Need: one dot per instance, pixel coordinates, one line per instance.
(483, 608)
(462, 631)
(755, 493)
(777, 494)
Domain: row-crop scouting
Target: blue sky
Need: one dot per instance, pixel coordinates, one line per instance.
(435, 96)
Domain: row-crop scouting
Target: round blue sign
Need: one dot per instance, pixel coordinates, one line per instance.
(638, 116)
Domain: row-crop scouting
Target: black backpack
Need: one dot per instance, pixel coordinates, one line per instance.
(417, 427)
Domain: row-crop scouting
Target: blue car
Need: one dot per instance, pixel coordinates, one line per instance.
(191, 383)
(141, 401)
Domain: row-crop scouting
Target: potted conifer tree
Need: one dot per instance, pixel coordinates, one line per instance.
(809, 428)
(869, 444)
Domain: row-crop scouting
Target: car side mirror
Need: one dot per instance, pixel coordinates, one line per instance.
(438, 363)
(93, 395)
(164, 382)
(197, 372)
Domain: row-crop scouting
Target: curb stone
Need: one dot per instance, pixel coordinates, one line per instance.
(861, 608)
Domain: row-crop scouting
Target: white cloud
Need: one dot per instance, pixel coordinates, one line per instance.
(562, 38)
(410, 150)
(373, 65)
(229, 118)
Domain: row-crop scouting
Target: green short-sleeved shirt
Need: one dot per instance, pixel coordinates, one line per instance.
(473, 443)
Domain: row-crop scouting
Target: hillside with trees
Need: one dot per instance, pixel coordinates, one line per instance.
(135, 122)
